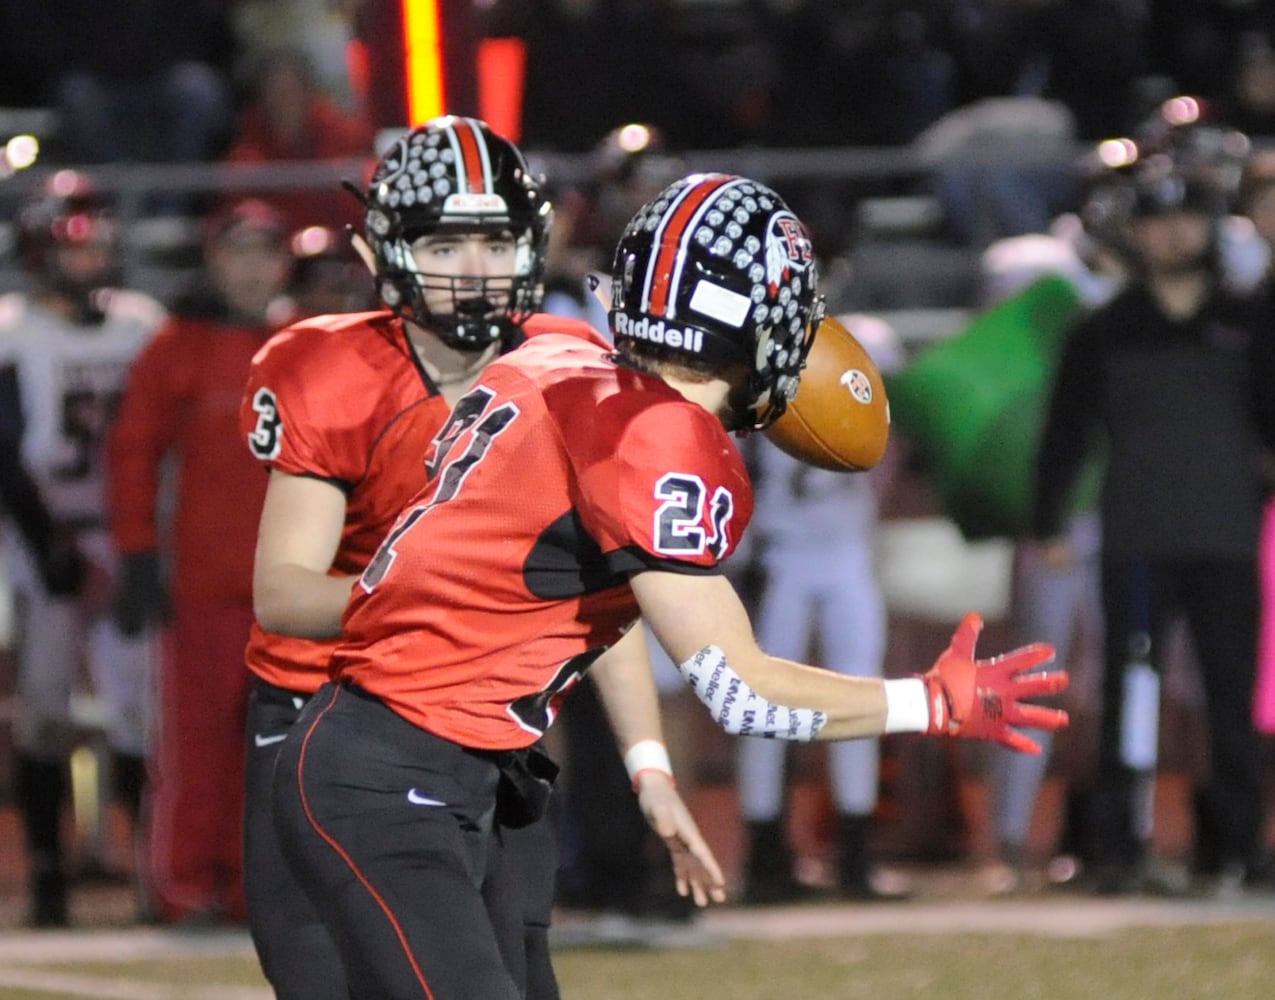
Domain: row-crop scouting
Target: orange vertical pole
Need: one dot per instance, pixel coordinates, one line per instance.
(423, 48)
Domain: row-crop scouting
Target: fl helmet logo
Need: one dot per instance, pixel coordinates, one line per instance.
(788, 250)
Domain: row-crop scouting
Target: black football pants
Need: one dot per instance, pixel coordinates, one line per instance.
(1220, 602)
(391, 831)
(296, 952)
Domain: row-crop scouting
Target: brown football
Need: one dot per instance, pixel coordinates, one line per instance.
(840, 417)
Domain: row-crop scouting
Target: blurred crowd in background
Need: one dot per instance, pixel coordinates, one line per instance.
(938, 83)
(710, 73)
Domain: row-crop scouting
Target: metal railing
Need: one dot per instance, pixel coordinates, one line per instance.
(147, 248)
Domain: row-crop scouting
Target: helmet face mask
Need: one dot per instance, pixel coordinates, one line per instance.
(455, 176)
(717, 267)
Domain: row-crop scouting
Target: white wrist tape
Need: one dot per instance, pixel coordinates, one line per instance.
(907, 706)
(740, 710)
(647, 755)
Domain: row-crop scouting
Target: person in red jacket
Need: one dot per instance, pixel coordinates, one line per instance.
(185, 498)
(289, 118)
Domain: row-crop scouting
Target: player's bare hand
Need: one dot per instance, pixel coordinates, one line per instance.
(694, 867)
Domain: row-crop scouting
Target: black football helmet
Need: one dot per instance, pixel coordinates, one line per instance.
(456, 174)
(67, 210)
(1159, 189)
(719, 268)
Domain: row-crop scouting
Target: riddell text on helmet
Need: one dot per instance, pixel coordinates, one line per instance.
(657, 332)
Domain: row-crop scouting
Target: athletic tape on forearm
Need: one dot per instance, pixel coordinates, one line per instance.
(740, 710)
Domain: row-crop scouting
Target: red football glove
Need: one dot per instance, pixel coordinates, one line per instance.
(982, 699)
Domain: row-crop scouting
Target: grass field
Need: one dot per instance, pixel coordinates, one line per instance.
(1082, 958)
(1180, 963)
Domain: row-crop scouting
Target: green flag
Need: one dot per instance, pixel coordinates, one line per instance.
(975, 405)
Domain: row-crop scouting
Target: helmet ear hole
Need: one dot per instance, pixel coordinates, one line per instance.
(719, 267)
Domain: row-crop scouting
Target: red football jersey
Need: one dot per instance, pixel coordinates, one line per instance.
(344, 399)
(556, 477)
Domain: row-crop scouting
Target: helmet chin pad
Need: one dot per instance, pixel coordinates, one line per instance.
(483, 310)
(472, 329)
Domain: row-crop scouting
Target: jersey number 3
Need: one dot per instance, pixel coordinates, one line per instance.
(267, 436)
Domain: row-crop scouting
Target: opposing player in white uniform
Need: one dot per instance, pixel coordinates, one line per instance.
(65, 348)
(814, 541)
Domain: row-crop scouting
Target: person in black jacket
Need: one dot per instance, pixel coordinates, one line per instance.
(1174, 373)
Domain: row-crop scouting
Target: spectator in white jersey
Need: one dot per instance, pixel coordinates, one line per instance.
(814, 545)
(66, 344)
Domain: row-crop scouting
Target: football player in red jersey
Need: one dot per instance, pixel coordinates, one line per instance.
(575, 487)
(342, 410)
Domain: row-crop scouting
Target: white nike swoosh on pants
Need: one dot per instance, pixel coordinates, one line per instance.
(417, 799)
(265, 741)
